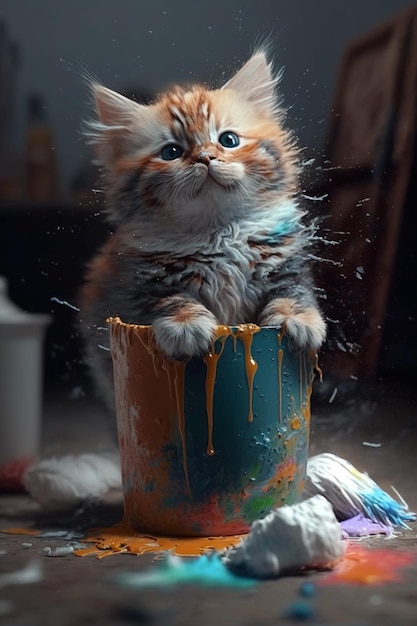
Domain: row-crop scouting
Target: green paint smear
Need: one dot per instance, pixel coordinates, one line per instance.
(258, 507)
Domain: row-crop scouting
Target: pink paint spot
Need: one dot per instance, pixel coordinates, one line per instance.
(366, 566)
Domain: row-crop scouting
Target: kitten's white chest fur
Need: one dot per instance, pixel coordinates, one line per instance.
(228, 291)
(224, 268)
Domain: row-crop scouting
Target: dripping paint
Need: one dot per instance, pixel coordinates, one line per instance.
(210, 445)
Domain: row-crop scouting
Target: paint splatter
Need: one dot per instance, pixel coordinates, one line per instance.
(360, 526)
(121, 538)
(206, 570)
(365, 566)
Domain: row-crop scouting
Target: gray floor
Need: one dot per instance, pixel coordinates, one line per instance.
(79, 591)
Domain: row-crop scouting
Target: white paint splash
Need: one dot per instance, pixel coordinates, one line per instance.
(65, 303)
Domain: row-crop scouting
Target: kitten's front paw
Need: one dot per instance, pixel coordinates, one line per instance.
(305, 327)
(185, 329)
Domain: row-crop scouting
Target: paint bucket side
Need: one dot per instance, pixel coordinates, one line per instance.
(210, 445)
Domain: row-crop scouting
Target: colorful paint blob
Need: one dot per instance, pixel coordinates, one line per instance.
(367, 566)
(211, 444)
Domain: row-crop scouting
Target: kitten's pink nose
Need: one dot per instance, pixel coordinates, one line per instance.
(204, 157)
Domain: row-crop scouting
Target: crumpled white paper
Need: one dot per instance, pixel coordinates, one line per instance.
(70, 480)
(289, 538)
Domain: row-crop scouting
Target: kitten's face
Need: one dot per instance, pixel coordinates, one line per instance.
(200, 155)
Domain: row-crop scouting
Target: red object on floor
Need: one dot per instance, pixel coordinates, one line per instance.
(11, 475)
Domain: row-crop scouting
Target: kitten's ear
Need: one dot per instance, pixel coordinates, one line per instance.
(113, 109)
(256, 82)
(111, 133)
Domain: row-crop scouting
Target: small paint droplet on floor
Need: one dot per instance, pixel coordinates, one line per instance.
(308, 590)
(300, 610)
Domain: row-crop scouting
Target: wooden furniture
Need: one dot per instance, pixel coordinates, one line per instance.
(370, 153)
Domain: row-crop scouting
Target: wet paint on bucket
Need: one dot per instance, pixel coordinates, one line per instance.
(209, 445)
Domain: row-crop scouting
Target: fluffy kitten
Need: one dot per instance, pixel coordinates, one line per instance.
(201, 189)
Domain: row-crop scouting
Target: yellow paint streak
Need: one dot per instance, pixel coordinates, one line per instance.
(307, 406)
(280, 359)
(245, 333)
(211, 360)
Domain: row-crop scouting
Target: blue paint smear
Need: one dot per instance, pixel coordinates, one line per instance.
(282, 229)
(207, 570)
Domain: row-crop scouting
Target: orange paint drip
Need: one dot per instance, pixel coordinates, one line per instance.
(318, 368)
(121, 538)
(307, 406)
(211, 360)
(245, 334)
(280, 359)
(365, 566)
(308, 370)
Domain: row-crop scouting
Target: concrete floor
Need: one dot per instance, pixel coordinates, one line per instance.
(79, 590)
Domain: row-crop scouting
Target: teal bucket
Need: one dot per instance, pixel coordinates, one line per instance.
(210, 445)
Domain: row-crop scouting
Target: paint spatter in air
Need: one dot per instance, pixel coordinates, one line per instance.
(365, 566)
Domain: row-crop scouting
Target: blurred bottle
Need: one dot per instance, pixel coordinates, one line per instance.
(41, 164)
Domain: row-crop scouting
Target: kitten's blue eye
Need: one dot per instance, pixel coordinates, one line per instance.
(171, 152)
(229, 140)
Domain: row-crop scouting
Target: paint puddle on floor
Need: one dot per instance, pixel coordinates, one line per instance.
(369, 566)
(359, 565)
(121, 538)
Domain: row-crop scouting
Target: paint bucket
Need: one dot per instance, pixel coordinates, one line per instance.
(210, 445)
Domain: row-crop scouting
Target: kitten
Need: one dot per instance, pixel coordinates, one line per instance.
(201, 188)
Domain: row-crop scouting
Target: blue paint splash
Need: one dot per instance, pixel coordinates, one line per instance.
(207, 570)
